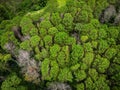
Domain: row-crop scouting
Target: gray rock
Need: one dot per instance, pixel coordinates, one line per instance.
(108, 14)
(59, 86)
(117, 19)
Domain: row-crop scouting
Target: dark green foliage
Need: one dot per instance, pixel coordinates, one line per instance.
(12, 8)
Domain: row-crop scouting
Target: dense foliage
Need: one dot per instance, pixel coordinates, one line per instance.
(60, 47)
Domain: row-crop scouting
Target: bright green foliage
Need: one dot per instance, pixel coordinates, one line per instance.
(71, 41)
(94, 44)
(101, 64)
(85, 29)
(4, 24)
(91, 3)
(95, 23)
(52, 31)
(75, 67)
(80, 75)
(65, 75)
(6, 58)
(54, 50)
(3, 39)
(55, 19)
(37, 50)
(88, 59)
(42, 55)
(54, 70)
(61, 38)
(65, 49)
(67, 44)
(34, 31)
(113, 33)
(93, 34)
(88, 47)
(34, 41)
(46, 24)
(71, 5)
(84, 16)
(84, 38)
(68, 21)
(27, 25)
(45, 69)
(25, 45)
(77, 53)
(103, 45)
(78, 27)
(101, 84)
(89, 84)
(80, 86)
(111, 52)
(60, 28)
(111, 41)
(61, 58)
(48, 40)
(43, 32)
(93, 74)
(83, 66)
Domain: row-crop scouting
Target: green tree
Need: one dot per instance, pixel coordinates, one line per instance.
(101, 64)
(25, 45)
(65, 75)
(45, 69)
(54, 50)
(55, 19)
(80, 75)
(48, 40)
(45, 24)
(102, 46)
(76, 54)
(35, 40)
(12, 83)
(68, 21)
(61, 38)
(52, 31)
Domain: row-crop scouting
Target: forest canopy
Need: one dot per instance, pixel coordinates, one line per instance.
(60, 45)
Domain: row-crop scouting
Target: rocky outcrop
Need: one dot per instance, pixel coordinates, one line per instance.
(110, 15)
